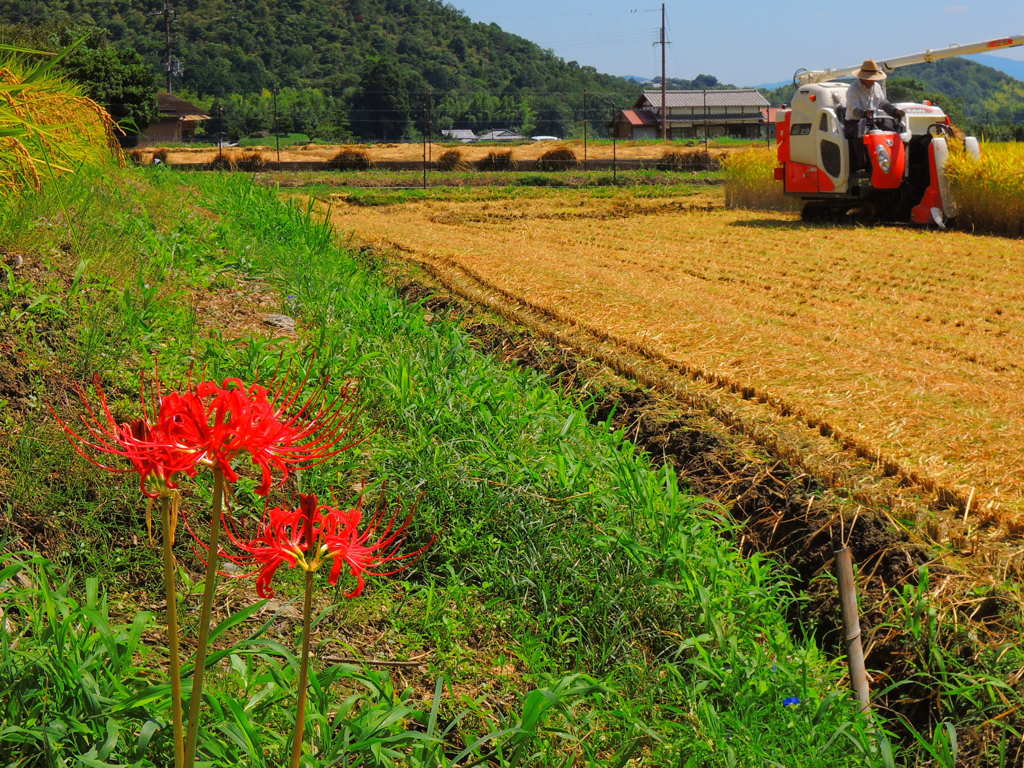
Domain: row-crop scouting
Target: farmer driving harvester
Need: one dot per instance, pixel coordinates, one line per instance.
(863, 98)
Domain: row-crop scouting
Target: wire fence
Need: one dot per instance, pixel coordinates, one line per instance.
(381, 116)
(297, 129)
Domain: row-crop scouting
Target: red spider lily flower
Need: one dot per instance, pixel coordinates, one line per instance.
(153, 455)
(369, 550)
(285, 537)
(222, 421)
(313, 534)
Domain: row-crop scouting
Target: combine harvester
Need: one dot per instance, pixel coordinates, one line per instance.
(905, 179)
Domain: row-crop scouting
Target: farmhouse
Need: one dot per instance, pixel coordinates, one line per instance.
(691, 114)
(459, 134)
(500, 134)
(176, 122)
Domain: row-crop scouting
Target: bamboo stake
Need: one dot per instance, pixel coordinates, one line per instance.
(851, 627)
(170, 579)
(209, 588)
(300, 716)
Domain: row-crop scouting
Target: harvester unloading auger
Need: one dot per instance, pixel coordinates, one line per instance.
(903, 178)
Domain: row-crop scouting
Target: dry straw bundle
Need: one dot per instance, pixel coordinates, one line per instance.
(224, 161)
(700, 160)
(558, 159)
(497, 161)
(47, 125)
(750, 182)
(990, 192)
(350, 160)
(451, 160)
(250, 161)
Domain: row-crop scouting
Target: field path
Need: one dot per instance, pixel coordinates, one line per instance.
(904, 346)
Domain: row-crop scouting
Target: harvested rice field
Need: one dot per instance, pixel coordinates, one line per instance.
(896, 346)
(412, 152)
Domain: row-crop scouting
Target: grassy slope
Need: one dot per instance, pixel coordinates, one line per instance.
(561, 550)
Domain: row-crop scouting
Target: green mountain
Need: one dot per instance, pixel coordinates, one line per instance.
(405, 62)
(981, 93)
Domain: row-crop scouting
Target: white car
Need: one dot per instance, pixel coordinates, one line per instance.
(545, 138)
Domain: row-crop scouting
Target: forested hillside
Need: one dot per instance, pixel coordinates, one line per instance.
(383, 67)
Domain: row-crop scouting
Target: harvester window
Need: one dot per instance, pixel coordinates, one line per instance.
(823, 123)
(801, 129)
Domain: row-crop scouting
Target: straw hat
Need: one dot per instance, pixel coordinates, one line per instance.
(870, 70)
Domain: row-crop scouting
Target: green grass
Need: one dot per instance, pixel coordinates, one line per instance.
(375, 178)
(288, 140)
(391, 196)
(561, 551)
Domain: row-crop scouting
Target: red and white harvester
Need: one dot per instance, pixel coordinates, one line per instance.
(905, 180)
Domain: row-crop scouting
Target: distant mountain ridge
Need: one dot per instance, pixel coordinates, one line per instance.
(393, 68)
(390, 56)
(1011, 67)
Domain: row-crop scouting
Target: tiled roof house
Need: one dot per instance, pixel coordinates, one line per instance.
(177, 120)
(739, 112)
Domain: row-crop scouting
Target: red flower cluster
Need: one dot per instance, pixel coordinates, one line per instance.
(212, 424)
(313, 534)
(151, 453)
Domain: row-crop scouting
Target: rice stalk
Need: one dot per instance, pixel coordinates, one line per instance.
(47, 125)
(750, 182)
(989, 192)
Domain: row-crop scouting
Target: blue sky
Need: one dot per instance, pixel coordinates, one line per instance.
(746, 43)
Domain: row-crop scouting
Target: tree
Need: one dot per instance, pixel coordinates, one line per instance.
(115, 77)
(909, 89)
(118, 79)
(380, 107)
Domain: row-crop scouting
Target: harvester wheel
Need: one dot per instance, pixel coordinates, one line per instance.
(814, 211)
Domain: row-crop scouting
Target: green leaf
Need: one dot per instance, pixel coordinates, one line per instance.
(236, 618)
(146, 733)
(111, 741)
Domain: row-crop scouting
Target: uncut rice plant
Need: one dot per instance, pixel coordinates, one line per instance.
(750, 183)
(990, 192)
(47, 125)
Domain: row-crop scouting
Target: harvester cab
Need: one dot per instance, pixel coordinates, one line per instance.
(880, 166)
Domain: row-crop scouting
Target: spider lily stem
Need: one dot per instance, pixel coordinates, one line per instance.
(300, 714)
(209, 588)
(170, 589)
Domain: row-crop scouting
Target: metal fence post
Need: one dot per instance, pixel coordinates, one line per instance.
(277, 132)
(615, 158)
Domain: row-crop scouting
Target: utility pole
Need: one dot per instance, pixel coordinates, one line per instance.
(277, 131)
(706, 126)
(664, 113)
(168, 13)
(584, 130)
(172, 66)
